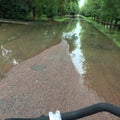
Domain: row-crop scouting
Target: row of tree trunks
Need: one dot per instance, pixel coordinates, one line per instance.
(109, 23)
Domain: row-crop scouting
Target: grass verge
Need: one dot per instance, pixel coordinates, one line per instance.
(60, 19)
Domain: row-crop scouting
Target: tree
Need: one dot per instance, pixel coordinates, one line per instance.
(103, 11)
(20, 9)
(51, 8)
(72, 7)
(13, 9)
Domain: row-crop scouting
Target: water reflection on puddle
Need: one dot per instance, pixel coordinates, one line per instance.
(76, 54)
(96, 58)
(7, 55)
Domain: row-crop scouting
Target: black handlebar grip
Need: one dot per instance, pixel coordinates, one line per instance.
(84, 112)
(90, 110)
(39, 118)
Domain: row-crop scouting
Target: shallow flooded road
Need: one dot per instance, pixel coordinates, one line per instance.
(45, 81)
(97, 59)
(95, 56)
(20, 42)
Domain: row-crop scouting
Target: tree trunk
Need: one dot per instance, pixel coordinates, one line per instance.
(116, 23)
(111, 20)
(118, 26)
(34, 13)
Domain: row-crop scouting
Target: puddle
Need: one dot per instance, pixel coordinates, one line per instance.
(76, 54)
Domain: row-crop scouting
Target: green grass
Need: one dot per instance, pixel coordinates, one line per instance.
(43, 18)
(112, 34)
(60, 19)
(56, 18)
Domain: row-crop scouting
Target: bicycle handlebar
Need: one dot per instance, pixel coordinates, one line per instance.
(84, 112)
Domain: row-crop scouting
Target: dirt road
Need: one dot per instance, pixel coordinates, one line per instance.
(46, 82)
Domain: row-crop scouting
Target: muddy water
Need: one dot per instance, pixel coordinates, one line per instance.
(19, 42)
(96, 57)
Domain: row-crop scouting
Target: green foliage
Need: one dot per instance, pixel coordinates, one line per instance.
(73, 8)
(51, 8)
(20, 9)
(106, 12)
(12, 9)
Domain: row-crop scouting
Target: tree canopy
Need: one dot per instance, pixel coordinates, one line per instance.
(14, 9)
(21, 9)
(104, 11)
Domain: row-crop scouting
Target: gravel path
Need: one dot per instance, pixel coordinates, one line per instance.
(46, 82)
